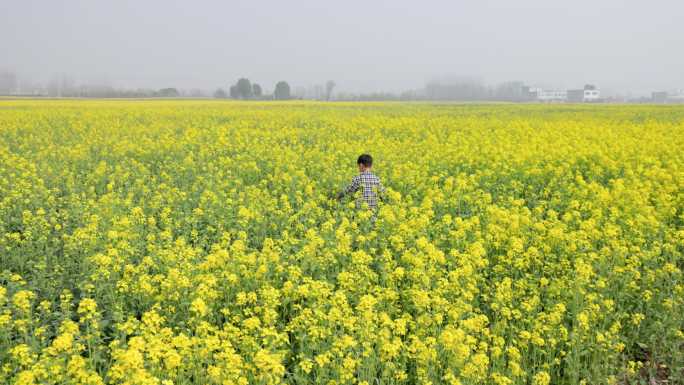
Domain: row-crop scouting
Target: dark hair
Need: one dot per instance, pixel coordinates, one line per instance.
(365, 160)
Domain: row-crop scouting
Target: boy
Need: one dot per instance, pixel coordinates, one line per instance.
(367, 181)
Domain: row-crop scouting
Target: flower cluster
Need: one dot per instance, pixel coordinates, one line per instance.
(195, 242)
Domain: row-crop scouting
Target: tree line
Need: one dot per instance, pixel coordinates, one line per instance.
(456, 89)
(246, 90)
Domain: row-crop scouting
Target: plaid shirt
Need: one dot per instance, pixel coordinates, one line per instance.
(371, 186)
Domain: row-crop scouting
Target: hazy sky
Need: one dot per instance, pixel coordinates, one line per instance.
(363, 45)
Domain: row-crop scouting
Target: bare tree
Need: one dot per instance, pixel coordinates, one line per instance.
(329, 86)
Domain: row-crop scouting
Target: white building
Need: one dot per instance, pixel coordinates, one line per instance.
(550, 95)
(592, 94)
(587, 94)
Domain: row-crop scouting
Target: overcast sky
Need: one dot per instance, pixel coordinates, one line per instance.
(363, 45)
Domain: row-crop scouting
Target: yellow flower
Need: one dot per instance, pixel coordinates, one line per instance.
(269, 365)
(199, 307)
(87, 308)
(22, 300)
(22, 354)
(541, 378)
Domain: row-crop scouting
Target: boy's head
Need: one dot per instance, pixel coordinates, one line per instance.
(365, 162)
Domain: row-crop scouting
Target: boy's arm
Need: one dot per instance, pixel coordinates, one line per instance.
(353, 186)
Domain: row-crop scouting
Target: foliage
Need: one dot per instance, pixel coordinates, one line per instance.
(179, 242)
(244, 88)
(234, 94)
(282, 91)
(220, 93)
(256, 90)
(168, 93)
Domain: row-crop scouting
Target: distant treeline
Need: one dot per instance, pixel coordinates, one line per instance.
(246, 90)
(460, 89)
(243, 88)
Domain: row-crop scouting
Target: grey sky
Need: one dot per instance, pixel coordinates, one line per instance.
(363, 45)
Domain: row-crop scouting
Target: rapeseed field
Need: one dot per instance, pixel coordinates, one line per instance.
(195, 242)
